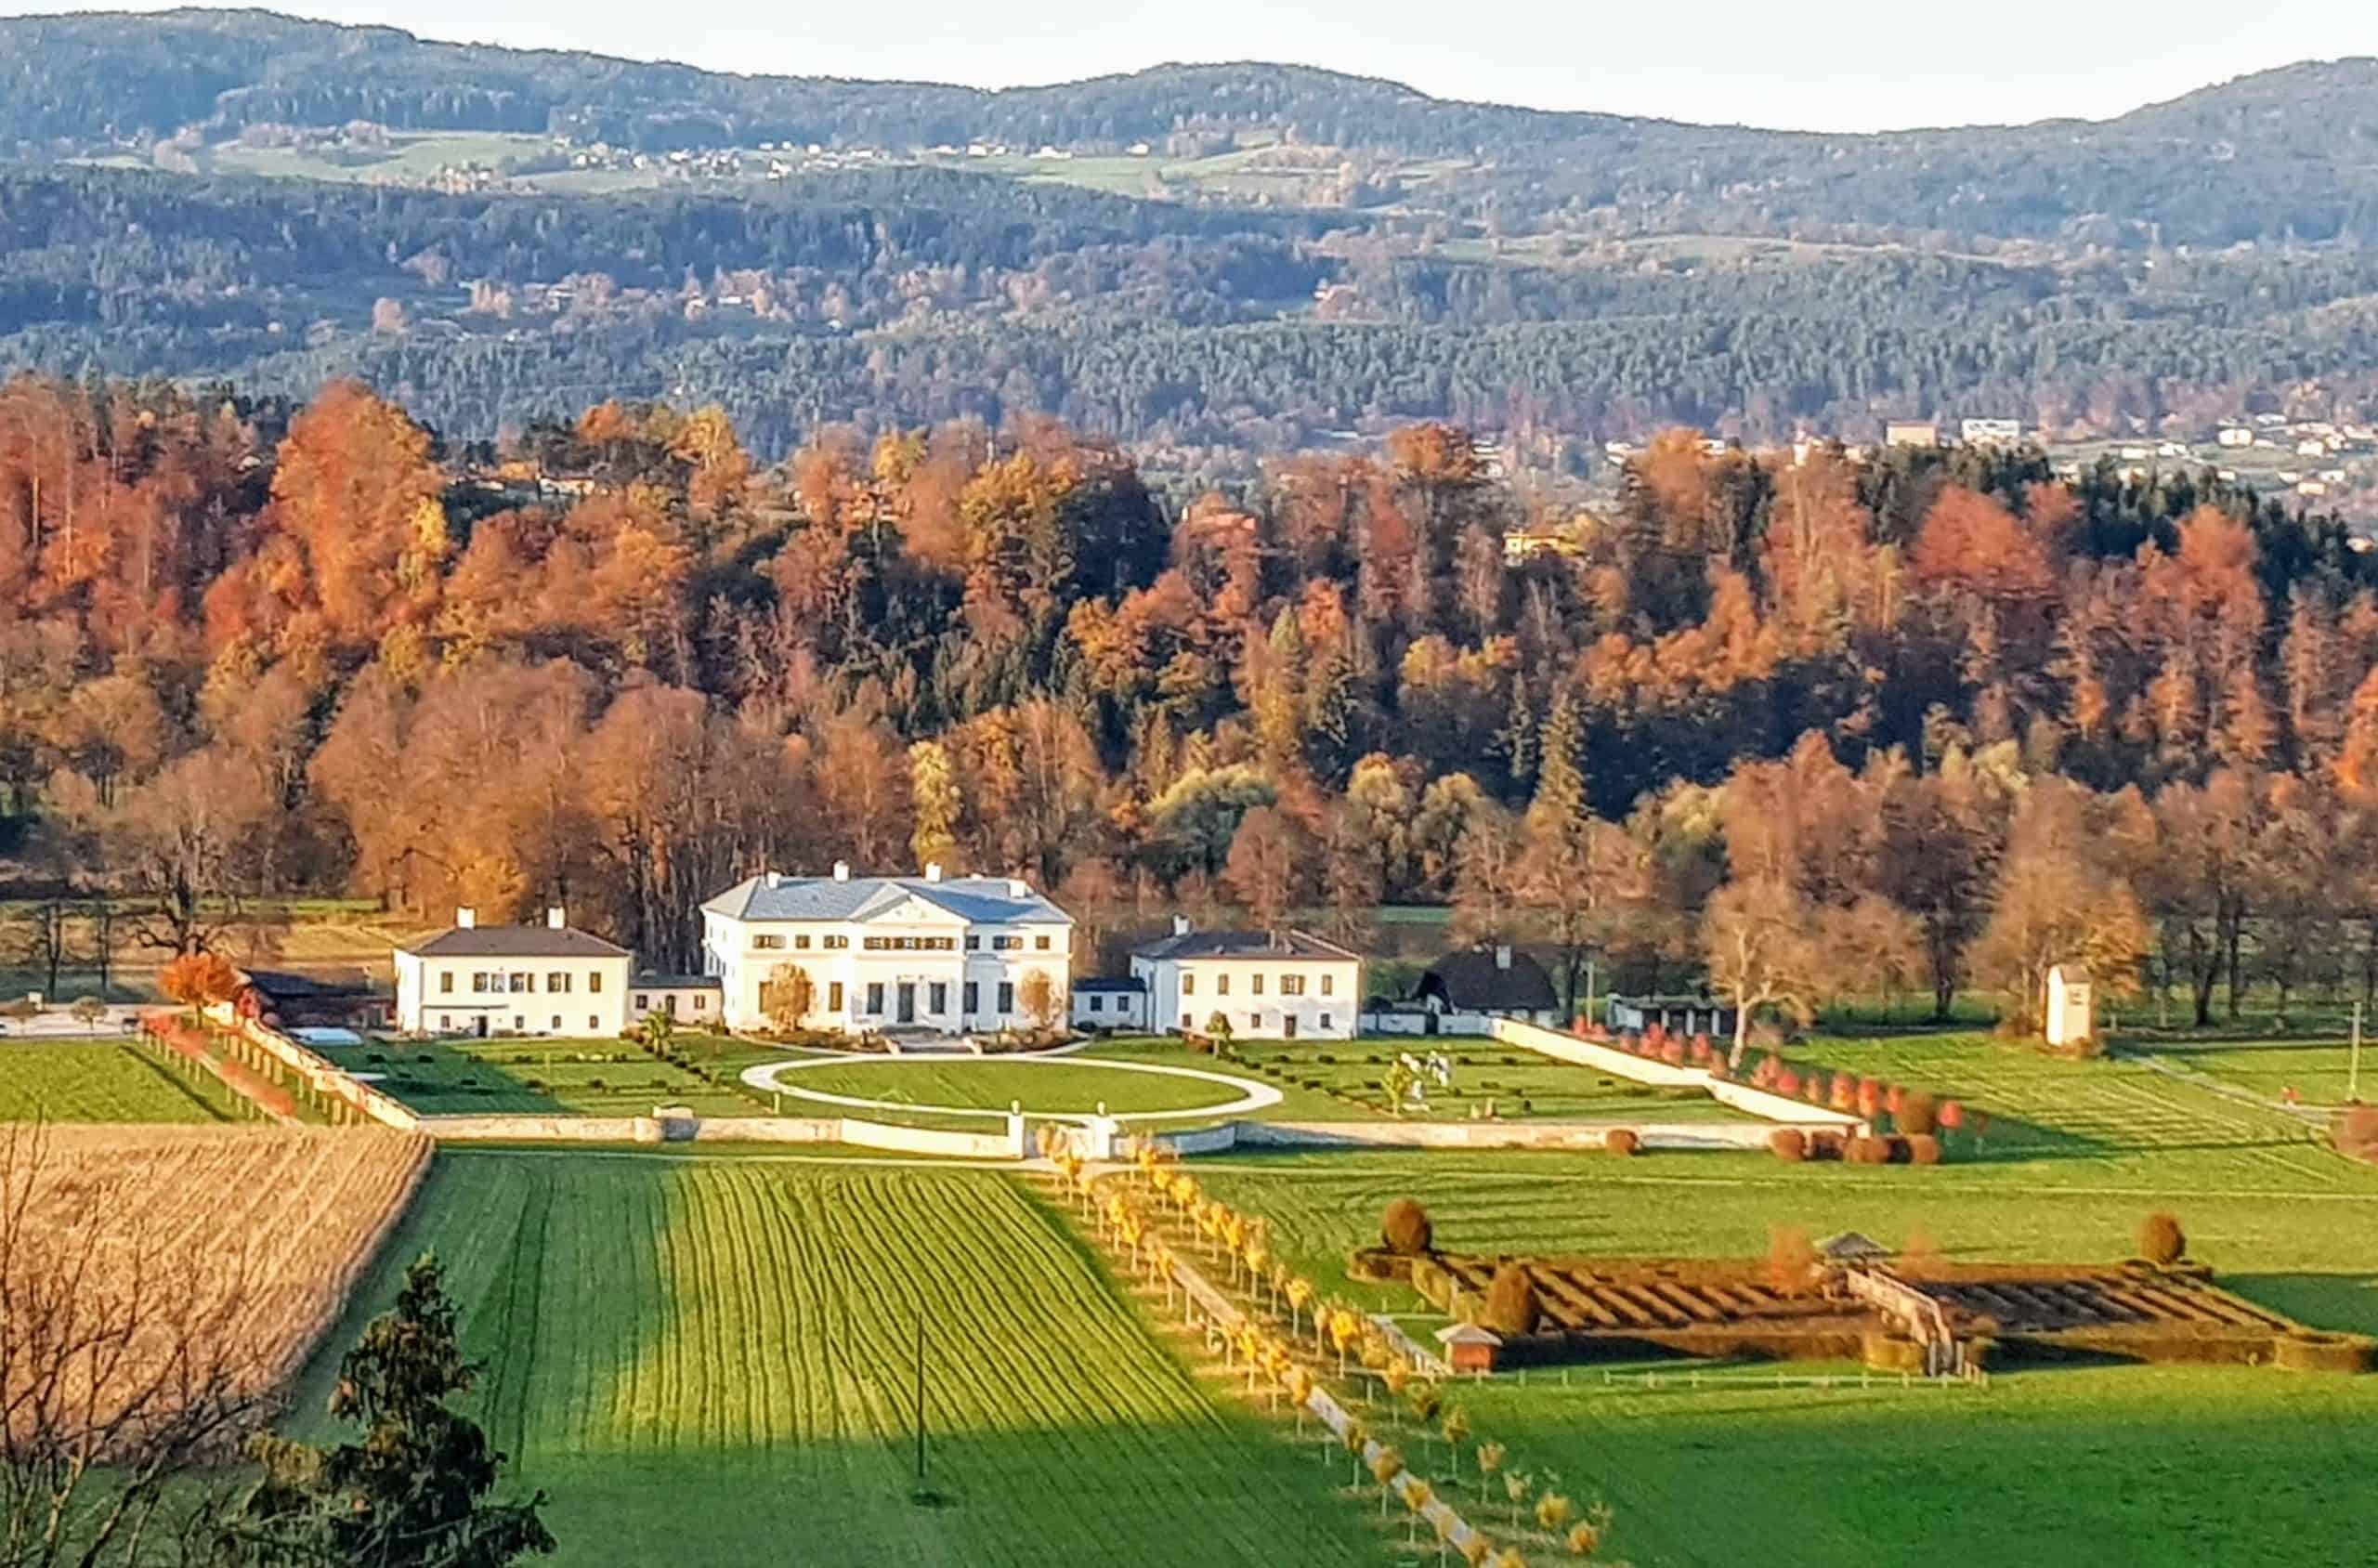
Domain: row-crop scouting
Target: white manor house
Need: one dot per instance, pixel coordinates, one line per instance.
(947, 955)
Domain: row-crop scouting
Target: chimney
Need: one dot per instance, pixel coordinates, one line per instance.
(933, 871)
(1018, 888)
(557, 918)
(1503, 956)
(1180, 925)
(775, 878)
(465, 918)
(842, 870)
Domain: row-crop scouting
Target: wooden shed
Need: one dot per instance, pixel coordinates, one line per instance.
(1469, 1348)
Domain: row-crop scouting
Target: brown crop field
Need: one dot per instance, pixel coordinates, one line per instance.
(148, 1269)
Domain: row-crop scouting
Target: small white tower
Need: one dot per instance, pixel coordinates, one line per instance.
(2071, 1005)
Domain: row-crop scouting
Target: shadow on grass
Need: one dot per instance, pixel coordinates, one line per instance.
(2342, 1302)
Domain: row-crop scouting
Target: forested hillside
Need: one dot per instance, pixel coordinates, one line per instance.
(1936, 716)
(2282, 155)
(1207, 261)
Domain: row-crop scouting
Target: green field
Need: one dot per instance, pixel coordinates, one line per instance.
(1520, 1084)
(100, 1081)
(2110, 1464)
(538, 1077)
(1071, 1087)
(710, 1363)
(2320, 1074)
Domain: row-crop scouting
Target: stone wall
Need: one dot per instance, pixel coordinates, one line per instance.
(1779, 1109)
(321, 1075)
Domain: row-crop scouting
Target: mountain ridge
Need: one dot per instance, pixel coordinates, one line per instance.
(294, 46)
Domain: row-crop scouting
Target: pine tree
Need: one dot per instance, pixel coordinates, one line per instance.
(412, 1494)
(1518, 737)
(1559, 800)
(934, 803)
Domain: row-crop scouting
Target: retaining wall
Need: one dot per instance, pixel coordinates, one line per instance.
(321, 1075)
(718, 1130)
(1779, 1109)
(1500, 1134)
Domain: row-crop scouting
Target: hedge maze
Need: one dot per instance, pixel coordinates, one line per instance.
(1596, 1309)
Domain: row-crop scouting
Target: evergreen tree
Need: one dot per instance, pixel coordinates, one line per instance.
(1518, 737)
(1559, 800)
(413, 1493)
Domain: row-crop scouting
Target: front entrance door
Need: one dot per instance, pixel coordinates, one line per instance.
(1288, 1026)
(482, 1025)
(907, 1002)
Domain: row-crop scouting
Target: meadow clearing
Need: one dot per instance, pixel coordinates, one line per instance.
(101, 1080)
(705, 1360)
(2069, 1463)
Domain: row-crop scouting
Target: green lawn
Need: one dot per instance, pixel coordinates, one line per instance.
(1520, 1084)
(708, 1363)
(1070, 1087)
(2320, 1074)
(538, 1077)
(2097, 1464)
(100, 1081)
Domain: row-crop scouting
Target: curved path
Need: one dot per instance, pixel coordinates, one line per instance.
(771, 1077)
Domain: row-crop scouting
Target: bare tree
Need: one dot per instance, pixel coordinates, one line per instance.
(179, 843)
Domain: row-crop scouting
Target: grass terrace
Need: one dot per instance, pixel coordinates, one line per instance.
(605, 1078)
(1349, 1076)
(103, 1080)
(2320, 1073)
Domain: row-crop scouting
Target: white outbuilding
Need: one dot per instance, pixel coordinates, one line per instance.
(2072, 1012)
(549, 979)
(1268, 985)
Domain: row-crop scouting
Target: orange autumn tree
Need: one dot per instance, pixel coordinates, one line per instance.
(199, 980)
(355, 540)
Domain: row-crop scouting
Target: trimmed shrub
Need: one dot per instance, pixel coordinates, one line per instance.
(1788, 1144)
(1845, 1092)
(1791, 1258)
(2161, 1240)
(2357, 1133)
(1922, 1148)
(1405, 1227)
(1827, 1145)
(1917, 1112)
(1953, 1115)
(1511, 1301)
(1866, 1151)
(1622, 1141)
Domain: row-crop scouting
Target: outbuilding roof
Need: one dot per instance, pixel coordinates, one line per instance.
(1487, 979)
(1851, 1247)
(975, 900)
(1241, 944)
(517, 942)
(1467, 1334)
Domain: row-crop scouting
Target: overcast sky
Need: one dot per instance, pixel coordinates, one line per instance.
(1830, 64)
